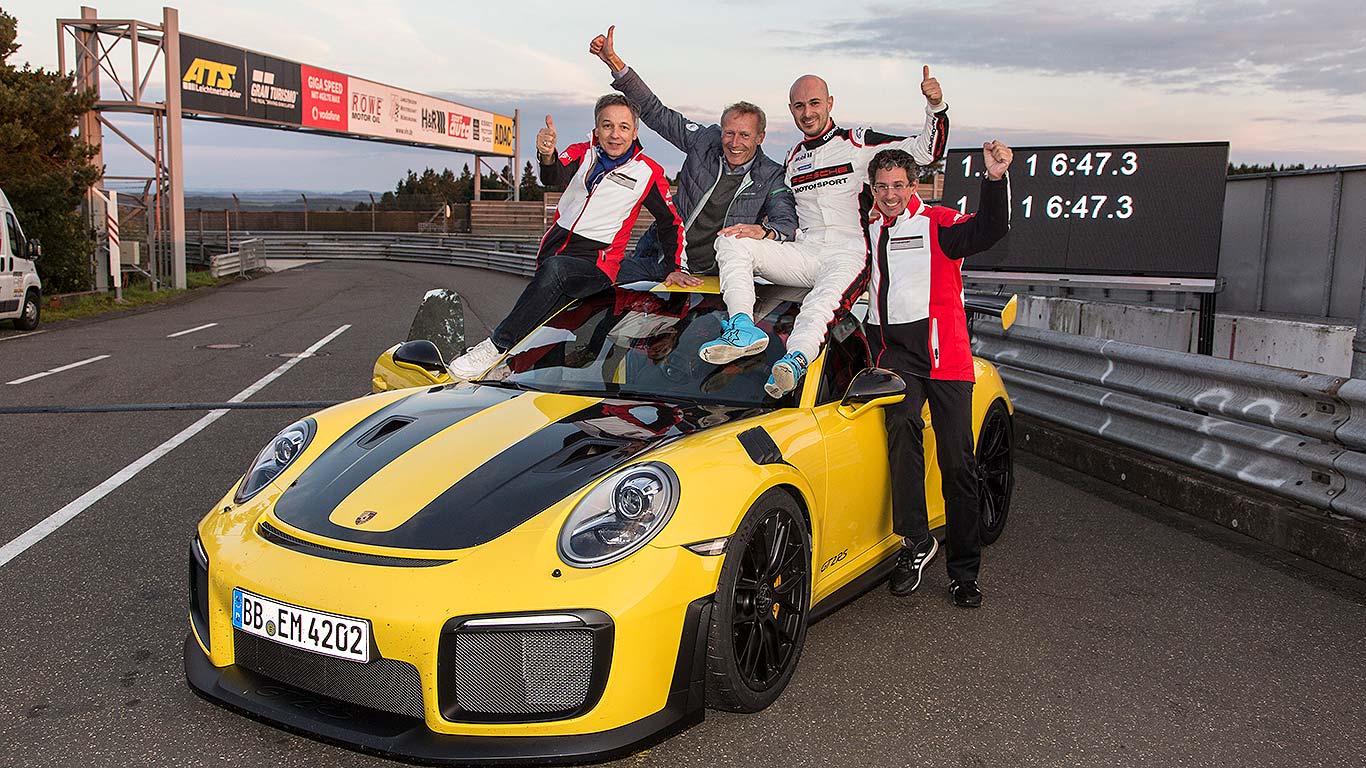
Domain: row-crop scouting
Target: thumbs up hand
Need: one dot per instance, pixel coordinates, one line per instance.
(930, 87)
(545, 139)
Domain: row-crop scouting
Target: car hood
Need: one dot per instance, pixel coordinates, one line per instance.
(454, 467)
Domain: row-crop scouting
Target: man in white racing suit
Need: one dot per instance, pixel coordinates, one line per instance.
(829, 255)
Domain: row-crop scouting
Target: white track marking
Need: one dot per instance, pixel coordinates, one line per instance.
(58, 369)
(64, 515)
(190, 330)
(21, 335)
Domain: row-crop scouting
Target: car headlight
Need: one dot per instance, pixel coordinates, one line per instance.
(282, 450)
(619, 515)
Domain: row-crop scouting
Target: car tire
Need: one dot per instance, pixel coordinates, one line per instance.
(995, 471)
(28, 314)
(763, 597)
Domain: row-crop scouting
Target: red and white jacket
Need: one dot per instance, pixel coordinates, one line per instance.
(916, 320)
(596, 223)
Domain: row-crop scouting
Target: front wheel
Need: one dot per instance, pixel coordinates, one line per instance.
(995, 471)
(28, 317)
(759, 624)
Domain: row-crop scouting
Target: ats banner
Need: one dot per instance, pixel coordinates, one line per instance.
(224, 81)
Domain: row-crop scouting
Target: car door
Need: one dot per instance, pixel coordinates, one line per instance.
(858, 520)
(11, 279)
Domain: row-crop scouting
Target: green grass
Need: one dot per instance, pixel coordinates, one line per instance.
(137, 294)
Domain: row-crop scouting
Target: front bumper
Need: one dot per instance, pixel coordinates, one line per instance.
(410, 739)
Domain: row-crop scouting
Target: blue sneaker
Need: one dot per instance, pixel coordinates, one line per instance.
(739, 337)
(786, 373)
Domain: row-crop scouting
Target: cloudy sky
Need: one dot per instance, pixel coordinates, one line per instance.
(1283, 82)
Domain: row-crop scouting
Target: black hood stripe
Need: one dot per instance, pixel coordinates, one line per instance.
(519, 483)
(346, 464)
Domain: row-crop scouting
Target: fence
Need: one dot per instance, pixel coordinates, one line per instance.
(1295, 243)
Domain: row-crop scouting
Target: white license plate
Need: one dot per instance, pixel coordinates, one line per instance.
(327, 633)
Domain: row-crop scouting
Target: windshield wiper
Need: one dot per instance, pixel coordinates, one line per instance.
(506, 384)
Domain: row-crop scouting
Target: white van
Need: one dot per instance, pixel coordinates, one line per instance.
(21, 292)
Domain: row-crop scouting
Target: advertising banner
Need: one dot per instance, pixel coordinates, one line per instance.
(224, 81)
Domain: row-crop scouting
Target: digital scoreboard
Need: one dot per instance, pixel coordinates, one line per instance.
(1122, 209)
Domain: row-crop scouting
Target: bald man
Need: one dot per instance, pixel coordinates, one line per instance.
(826, 172)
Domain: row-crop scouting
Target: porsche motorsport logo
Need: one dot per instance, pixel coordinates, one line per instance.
(365, 517)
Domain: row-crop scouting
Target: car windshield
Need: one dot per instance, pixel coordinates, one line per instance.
(643, 345)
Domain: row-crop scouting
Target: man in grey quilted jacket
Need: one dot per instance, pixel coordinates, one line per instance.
(727, 184)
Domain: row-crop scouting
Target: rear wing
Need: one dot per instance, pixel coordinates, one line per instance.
(993, 305)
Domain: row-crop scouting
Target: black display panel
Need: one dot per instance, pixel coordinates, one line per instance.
(1151, 210)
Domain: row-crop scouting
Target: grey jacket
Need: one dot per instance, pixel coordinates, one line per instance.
(763, 197)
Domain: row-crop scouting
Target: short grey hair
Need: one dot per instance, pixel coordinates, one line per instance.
(746, 108)
(614, 100)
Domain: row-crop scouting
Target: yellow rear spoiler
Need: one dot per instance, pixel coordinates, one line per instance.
(995, 305)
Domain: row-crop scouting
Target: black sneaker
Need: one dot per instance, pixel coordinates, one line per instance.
(910, 565)
(965, 594)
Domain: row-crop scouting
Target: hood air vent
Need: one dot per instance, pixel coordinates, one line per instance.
(382, 431)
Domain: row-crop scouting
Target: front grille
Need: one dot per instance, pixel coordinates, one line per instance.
(533, 672)
(384, 684)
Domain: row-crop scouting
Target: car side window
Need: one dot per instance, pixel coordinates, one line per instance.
(14, 238)
(846, 355)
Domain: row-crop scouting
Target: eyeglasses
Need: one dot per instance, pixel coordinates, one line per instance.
(897, 187)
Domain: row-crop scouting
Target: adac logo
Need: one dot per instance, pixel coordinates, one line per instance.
(366, 517)
(211, 74)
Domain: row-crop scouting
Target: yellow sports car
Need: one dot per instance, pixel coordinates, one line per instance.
(570, 558)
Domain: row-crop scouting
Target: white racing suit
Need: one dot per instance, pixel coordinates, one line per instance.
(829, 255)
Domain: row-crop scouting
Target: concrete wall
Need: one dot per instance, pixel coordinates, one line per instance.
(1295, 344)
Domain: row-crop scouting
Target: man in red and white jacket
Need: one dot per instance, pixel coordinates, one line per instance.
(917, 326)
(607, 180)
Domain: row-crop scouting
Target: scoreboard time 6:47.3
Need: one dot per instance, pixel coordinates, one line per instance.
(1140, 209)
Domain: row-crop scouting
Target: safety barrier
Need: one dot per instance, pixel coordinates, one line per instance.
(1296, 434)
(250, 255)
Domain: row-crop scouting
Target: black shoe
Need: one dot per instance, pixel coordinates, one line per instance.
(965, 594)
(910, 565)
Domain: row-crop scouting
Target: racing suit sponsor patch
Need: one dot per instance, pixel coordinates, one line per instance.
(822, 173)
(622, 179)
(906, 243)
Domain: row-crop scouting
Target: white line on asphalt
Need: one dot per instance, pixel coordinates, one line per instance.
(64, 515)
(191, 330)
(21, 335)
(58, 369)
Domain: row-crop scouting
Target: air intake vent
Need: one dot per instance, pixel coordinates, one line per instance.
(384, 684)
(382, 431)
(516, 671)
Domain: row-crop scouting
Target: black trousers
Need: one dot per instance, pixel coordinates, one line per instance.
(951, 416)
(557, 281)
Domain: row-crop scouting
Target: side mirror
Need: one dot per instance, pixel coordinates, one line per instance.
(870, 389)
(35, 249)
(421, 353)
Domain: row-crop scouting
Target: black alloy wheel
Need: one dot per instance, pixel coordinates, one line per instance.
(995, 471)
(758, 625)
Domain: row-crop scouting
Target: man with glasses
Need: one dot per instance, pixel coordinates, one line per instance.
(825, 172)
(917, 326)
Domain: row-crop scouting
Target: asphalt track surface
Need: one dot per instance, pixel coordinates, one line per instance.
(1115, 632)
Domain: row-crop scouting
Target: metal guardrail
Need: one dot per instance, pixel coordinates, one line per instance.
(1299, 435)
(250, 255)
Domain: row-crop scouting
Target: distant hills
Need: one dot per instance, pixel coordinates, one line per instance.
(276, 199)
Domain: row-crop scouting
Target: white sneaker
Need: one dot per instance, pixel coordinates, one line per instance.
(475, 361)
